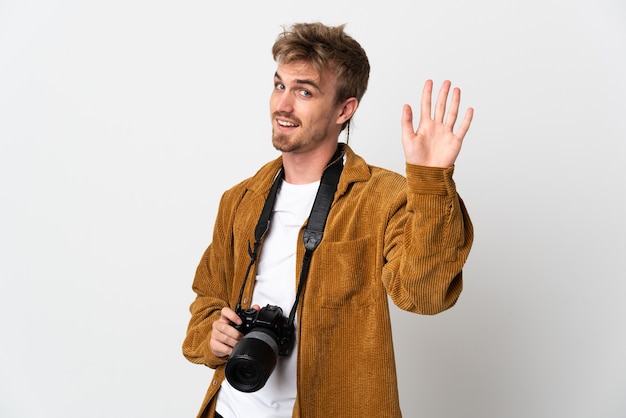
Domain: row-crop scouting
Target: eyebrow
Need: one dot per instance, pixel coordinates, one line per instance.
(301, 81)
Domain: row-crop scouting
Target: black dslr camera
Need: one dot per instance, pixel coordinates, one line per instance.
(267, 334)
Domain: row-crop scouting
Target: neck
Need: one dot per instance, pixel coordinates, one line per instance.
(307, 167)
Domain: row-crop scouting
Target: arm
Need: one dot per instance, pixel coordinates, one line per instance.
(210, 337)
(205, 310)
(427, 241)
(430, 234)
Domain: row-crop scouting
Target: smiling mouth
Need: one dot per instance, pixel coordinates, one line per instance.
(286, 124)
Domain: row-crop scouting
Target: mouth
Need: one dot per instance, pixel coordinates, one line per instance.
(286, 124)
(286, 121)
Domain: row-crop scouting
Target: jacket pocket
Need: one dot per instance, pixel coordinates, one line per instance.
(344, 274)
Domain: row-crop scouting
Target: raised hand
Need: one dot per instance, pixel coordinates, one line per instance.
(434, 143)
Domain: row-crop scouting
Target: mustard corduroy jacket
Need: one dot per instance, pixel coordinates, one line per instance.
(385, 235)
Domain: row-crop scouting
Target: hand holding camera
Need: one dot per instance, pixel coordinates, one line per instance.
(224, 336)
(267, 335)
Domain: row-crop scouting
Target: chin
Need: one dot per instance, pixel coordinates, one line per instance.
(281, 143)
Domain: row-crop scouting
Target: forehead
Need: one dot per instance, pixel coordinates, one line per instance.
(305, 72)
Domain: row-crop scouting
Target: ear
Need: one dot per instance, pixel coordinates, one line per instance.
(346, 110)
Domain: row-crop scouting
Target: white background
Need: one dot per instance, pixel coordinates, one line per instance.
(122, 122)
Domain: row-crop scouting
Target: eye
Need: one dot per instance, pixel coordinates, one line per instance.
(279, 86)
(305, 93)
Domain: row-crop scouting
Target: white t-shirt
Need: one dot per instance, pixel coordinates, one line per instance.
(276, 284)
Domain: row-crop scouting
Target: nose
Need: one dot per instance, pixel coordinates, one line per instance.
(282, 102)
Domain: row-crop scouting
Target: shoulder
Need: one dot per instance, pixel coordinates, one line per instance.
(256, 185)
(260, 182)
(386, 176)
(358, 171)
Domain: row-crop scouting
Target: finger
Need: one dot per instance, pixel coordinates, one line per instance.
(256, 307)
(225, 333)
(465, 124)
(221, 342)
(407, 121)
(220, 349)
(453, 111)
(442, 98)
(228, 315)
(427, 93)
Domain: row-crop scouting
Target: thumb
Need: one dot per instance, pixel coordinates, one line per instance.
(407, 121)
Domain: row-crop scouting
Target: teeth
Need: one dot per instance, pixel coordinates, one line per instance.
(285, 123)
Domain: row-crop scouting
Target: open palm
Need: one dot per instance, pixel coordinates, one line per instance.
(434, 143)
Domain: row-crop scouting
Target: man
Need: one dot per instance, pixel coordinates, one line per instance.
(385, 234)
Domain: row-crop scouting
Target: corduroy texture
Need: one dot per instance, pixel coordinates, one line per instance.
(386, 235)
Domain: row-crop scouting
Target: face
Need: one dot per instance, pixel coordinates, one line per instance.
(303, 109)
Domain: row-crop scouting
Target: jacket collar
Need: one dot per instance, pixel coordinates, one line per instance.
(355, 169)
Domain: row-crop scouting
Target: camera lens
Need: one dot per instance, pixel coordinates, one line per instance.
(252, 361)
(245, 372)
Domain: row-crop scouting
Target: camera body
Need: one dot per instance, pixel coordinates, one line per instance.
(269, 319)
(267, 335)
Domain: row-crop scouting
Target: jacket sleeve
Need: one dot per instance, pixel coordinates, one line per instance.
(427, 241)
(211, 288)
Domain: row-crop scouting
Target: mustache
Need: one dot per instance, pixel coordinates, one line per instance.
(287, 116)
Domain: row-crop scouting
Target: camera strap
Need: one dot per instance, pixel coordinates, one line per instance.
(314, 230)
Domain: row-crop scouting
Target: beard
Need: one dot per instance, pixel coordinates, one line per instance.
(304, 140)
